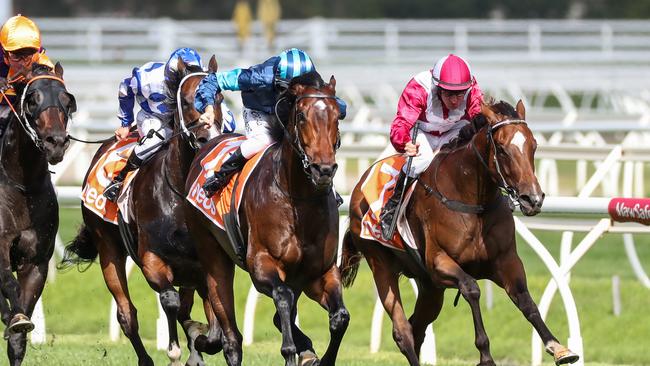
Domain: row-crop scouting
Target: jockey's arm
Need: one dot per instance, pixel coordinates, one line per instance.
(475, 101)
(126, 97)
(411, 104)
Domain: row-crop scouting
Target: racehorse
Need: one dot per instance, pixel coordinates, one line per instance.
(464, 230)
(29, 212)
(161, 244)
(289, 223)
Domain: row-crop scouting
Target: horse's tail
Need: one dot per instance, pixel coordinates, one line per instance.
(80, 250)
(350, 260)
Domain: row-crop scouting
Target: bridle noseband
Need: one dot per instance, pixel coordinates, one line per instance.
(296, 144)
(181, 120)
(23, 118)
(491, 129)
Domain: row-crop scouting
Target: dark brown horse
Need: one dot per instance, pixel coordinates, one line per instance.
(470, 236)
(29, 213)
(289, 222)
(162, 246)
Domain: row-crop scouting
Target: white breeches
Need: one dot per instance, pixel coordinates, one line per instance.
(429, 147)
(257, 132)
(147, 122)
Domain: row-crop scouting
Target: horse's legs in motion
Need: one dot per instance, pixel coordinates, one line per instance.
(32, 280)
(159, 276)
(427, 308)
(327, 292)
(192, 328)
(17, 321)
(304, 346)
(267, 280)
(113, 265)
(386, 280)
(210, 342)
(448, 269)
(512, 277)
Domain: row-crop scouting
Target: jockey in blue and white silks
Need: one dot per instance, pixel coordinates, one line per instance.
(260, 87)
(146, 86)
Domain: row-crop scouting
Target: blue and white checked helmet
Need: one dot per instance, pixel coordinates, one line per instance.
(293, 62)
(188, 55)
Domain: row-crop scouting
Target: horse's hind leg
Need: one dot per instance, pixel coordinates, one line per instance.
(449, 270)
(386, 280)
(209, 342)
(512, 278)
(327, 291)
(427, 308)
(114, 271)
(159, 276)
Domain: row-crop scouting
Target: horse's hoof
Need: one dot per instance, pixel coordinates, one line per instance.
(487, 363)
(308, 358)
(20, 323)
(565, 356)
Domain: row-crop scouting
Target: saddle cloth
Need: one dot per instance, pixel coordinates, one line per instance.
(101, 175)
(377, 189)
(219, 205)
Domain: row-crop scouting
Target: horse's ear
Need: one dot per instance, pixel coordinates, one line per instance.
(297, 89)
(488, 113)
(333, 82)
(180, 66)
(58, 70)
(521, 110)
(212, 65)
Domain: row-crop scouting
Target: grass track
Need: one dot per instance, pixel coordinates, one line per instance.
(77, 308)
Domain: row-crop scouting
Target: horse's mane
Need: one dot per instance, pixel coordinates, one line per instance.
(479, 121)
(310, 79)
(172, 82)
(40, 69)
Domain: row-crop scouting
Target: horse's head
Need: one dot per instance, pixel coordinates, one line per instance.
(512, 147)
(312, 126)
(45, 107)
(181, 87)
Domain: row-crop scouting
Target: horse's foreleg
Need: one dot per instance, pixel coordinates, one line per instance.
(191, 328)
(304, 346)
(209, 343)
(114, 271)
(16, 319)
(160, 277)
(267, 280)
(449, 270)
(512, 277)
(327, 291)
(386, 280)
(427, 308)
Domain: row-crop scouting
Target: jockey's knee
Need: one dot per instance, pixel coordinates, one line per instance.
(255, 144)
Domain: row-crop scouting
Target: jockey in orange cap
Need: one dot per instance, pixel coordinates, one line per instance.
(20, 41)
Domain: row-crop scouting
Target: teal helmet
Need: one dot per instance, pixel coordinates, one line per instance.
(293, 62)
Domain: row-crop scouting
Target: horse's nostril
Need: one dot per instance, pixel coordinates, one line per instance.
(50, 140)
(202, 140)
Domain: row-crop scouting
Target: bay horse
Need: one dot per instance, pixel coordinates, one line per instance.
(289, 223)
(163, 248)
(464, 230)
(35, 135)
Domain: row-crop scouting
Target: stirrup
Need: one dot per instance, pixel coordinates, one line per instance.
(112, 191)
(213, 185)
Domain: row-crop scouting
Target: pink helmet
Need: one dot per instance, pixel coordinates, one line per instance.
(452, 73)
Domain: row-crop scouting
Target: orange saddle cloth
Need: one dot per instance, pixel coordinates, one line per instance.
(377, 189)
(216, 207)
(101, 175)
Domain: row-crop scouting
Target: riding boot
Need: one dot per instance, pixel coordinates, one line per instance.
(113, 189)
(390, 209)
(221, 178)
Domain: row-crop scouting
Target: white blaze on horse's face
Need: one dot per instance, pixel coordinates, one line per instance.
(518, 140)
(320, 104)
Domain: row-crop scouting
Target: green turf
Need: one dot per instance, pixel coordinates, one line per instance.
(77, 311)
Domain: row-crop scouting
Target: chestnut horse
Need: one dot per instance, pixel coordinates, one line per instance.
(463, 227)
(289, 226)
(163, 247)
(29, 213)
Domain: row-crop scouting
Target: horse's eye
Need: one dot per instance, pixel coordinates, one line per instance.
(300, 117)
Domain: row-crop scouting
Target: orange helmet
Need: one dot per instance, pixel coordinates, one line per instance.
(20, 32)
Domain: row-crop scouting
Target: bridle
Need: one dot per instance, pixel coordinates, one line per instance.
(181, 120)
(296, 143)
(23, 117)
(491, 129)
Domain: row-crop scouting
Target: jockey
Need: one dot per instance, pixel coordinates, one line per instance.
(146, 85)
(260, 87)
(21, 48)
(443, 100)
